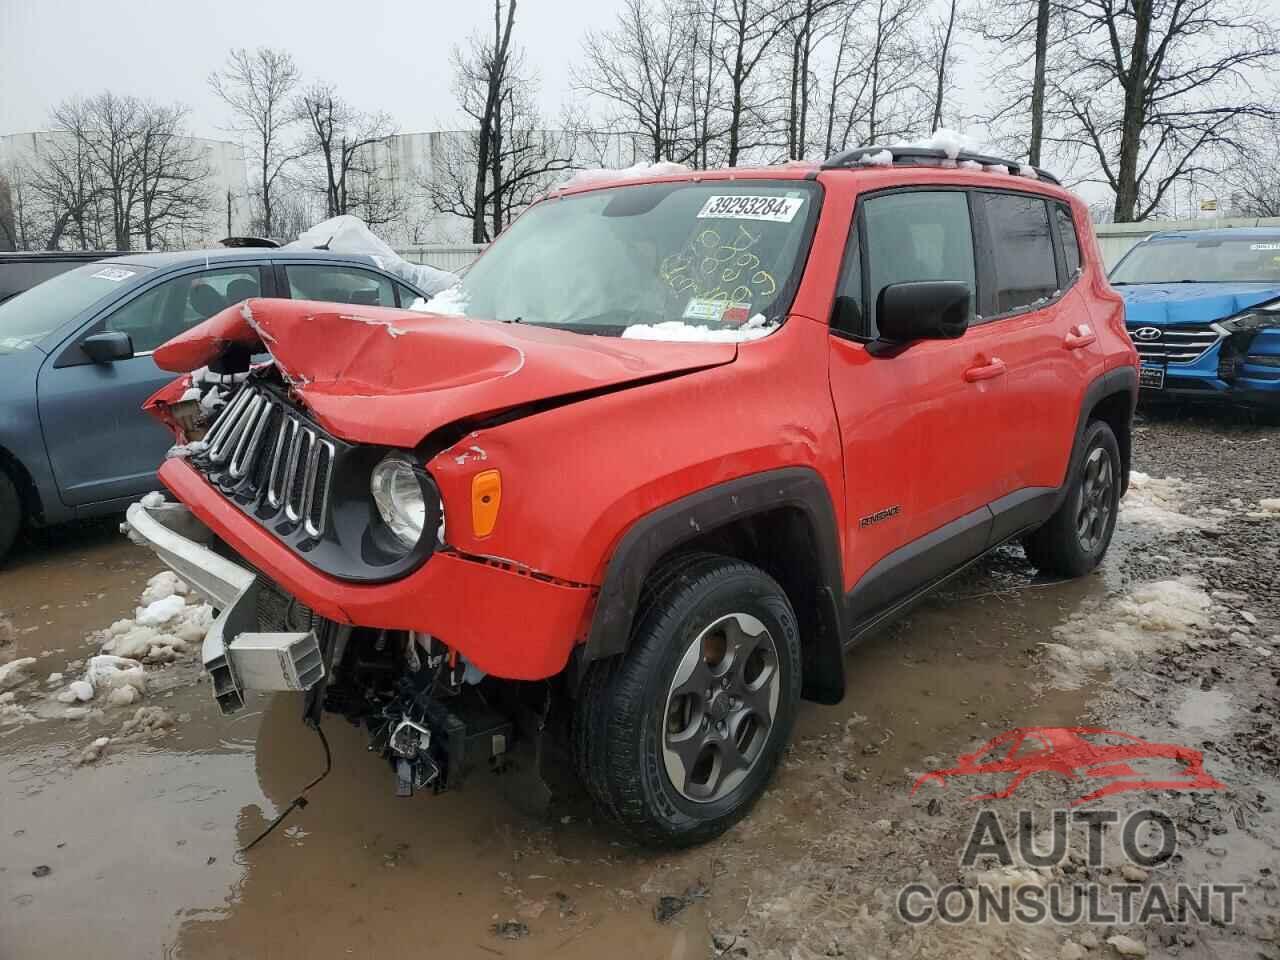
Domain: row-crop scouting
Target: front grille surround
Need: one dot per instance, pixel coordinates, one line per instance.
(264, 451)
(308, 488)
(1180, 345)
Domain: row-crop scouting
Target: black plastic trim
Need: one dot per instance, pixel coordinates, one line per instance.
(661, 531)
(918, 563)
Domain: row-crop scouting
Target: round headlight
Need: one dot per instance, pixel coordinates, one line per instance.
(399, 499)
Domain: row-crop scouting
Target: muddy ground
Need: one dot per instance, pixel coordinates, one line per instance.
(131, 850)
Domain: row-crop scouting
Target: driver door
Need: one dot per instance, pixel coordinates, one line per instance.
(918, 421)
(101, 445)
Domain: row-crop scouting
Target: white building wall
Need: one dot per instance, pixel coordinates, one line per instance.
(227, 184)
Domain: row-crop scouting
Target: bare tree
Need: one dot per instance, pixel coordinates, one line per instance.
(642, 69)
(1252, 178)
(342, 138)
(480, 79)
(1154, 87)
(747, 31)
(65, 187)
(939, 51)
(8, 222)
(172, 174)
(258, 85)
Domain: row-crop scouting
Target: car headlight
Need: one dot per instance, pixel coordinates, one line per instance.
(401, 501)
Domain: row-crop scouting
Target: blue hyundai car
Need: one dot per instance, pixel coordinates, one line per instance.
(75, 365)
(1203, 309)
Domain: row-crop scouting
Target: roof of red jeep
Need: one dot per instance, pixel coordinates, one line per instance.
(809, 169)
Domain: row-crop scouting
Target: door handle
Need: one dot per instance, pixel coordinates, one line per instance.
(988, 371)
(1078, 337)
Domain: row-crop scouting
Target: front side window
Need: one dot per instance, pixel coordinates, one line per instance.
(29, 316)
(917, 235)
(173, 306)
(1188, 259)
(1022, 249)
(339, 285)
(696, 258)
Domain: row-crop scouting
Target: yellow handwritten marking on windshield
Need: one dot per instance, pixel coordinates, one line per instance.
(713, 268)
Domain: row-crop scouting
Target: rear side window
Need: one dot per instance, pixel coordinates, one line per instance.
(1022, 250)
(917, 235)
(339, 285)
(1070, 241)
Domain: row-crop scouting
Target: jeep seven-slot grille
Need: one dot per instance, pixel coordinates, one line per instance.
(1181, 344)
(262, 451)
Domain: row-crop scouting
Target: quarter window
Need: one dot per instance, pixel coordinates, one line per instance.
(339, 285)
(918, 235)
(1070, 241)
(1022, 249)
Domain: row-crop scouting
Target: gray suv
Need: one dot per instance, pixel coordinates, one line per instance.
(75, 365)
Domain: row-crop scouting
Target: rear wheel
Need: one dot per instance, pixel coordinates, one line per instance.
(1076, 537)
(10, 513)
(678, 737)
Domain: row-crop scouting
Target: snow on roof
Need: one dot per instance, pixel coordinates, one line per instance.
(600, 175)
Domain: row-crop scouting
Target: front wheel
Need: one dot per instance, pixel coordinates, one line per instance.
(678, 737)
(1076, 537)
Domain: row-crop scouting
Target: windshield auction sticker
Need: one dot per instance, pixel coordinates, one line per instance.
(114, 274)
(739, 207)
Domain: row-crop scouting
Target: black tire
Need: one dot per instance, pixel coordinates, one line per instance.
(10, 513)
(1070, 544)
(622, 718)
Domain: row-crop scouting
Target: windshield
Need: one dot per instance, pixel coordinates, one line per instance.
(671, 260)
(1188, 260)
(26, 318)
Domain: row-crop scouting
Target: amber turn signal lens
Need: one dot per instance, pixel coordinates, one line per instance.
(486, 496)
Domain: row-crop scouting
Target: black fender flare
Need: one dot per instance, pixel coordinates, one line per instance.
(658, 533)
(1121, 380)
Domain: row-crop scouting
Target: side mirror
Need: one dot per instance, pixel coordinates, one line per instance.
(108, 347)
(923, 310)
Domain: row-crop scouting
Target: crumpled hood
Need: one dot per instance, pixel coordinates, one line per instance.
(1170, 304)
(380, 375)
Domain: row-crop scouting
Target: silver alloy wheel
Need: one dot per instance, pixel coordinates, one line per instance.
(1094, 503)
(720, 707)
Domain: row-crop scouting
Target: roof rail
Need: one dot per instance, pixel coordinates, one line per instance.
(924, 157)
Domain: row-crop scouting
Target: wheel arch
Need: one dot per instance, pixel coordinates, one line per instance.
(1111, 398)
(780, 520)
(28, 492)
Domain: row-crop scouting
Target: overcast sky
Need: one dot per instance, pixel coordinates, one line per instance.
(381, 54)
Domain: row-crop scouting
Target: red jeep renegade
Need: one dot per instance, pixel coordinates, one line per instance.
(674, 443)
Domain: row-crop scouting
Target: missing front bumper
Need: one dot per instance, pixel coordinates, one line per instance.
(236, 654)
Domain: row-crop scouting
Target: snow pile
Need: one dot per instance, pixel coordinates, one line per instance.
(1268, 509)
(882, 158)
(951, 142)
(602, 175)
(162, 586)
(996, 168)
(1157, 503)
(146, 721)
(15, 672)
(348, 234)
(93, 751)
(1026, 170)
(1161, 616)
(678, 330)
(450, 302)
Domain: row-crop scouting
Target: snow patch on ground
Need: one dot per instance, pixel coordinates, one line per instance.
(678, 330)
(1164, 615)
(1158, 503)
(15, 672)
(451, 302)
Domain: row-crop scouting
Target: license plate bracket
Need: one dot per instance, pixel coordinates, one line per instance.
(1151, 378)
